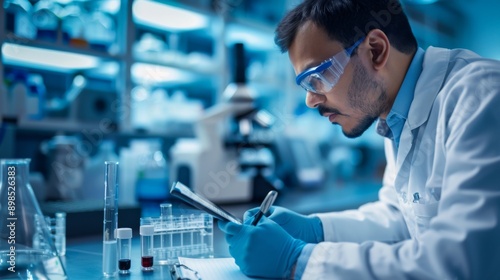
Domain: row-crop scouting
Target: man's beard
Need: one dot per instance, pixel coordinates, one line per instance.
(357, 95)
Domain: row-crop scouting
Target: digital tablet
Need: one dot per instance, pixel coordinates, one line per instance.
(179, 190)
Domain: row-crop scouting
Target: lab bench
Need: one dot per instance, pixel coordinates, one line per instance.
(83, 258)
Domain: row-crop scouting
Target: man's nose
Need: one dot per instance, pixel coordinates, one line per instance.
(313, 100)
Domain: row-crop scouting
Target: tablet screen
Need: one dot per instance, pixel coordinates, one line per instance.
(181, 191)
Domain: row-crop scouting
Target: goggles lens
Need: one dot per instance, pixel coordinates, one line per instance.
(324, 77)
(324, 80)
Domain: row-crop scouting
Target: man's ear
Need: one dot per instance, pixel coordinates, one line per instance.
(379, 48)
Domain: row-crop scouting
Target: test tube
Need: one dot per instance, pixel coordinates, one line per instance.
(124, 236)
(146, 232)
(110, 223)
(60, 233)
(166, 232)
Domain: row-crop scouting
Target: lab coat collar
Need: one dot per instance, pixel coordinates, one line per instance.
(429, 84)
(434, 69)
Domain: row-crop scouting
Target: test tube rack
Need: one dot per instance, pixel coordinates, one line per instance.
(181, 236)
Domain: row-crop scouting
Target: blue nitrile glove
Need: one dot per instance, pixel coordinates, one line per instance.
(264, 250)
(306, 228)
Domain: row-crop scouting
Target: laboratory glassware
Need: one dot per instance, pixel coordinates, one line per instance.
(26, 246)
(110, 223)
(57, 229)
(124, 236)
(189, 234)
(147, 232)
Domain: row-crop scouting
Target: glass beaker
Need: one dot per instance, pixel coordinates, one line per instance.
(26, 247)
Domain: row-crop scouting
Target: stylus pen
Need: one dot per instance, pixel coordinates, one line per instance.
(264, 207)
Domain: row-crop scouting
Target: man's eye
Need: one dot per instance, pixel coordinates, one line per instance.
(316, 83)
(329, 75)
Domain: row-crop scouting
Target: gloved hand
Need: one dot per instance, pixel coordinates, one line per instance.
(264, 250)
(306, 228)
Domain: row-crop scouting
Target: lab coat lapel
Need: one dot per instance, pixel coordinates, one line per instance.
(430, 82)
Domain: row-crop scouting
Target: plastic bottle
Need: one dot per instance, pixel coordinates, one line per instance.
(152, 173)
(92, 180)
(18, 18)
(73, 19)
(100, 31)
(46, 20)
(15, 106)
(141, 103)
(35, 99)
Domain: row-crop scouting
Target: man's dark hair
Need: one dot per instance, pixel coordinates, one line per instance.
(347, 21)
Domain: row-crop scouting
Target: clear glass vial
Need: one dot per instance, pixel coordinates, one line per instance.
(124, 237)
(110, 224)
(147, 232)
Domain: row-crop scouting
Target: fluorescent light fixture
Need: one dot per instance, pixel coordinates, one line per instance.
(149, 73)
(111, 7)
(30, 56)
(167, 17)
(251, 38)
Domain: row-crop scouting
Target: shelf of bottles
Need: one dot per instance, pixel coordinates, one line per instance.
(56, 56)
(84, 27)
(146, 54)
(178, 64)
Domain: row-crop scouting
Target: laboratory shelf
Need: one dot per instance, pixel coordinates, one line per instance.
(59, 125)
(13, 39)
(179, 61)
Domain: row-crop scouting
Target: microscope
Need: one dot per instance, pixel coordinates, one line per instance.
(211, 164)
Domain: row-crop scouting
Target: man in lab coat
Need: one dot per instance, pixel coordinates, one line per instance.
(438, 214)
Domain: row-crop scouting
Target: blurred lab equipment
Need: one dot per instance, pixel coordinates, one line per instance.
(77, 85)
(110, 223)
(25, 96)
(151, 183)
(210, 164)
(26, 247)
(301, 164)
(154, 111)
(14, 97)
(94, 173)
(35, 99)
(18, 18)
(57, 230)
(187, 234)
(65, 161)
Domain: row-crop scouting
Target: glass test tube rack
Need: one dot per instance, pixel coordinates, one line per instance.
(181, 236)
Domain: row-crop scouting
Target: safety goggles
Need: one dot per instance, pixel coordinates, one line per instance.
(324, 77)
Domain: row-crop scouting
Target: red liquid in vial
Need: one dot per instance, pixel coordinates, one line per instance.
(147, 261)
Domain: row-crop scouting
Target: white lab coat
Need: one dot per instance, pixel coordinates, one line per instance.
(450, 154)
